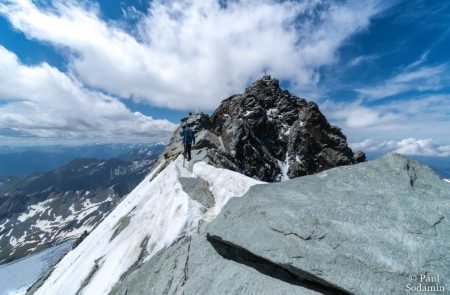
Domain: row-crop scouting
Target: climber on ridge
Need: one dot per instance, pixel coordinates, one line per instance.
(188, 139)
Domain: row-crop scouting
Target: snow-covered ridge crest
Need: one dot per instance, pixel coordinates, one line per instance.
(153, 216)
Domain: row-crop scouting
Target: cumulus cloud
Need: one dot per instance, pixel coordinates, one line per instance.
(365, 145)
(424, 116)
(408, 146)
(188, 54)
(41, 101)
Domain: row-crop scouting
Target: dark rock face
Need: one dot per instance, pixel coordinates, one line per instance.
(268, 134)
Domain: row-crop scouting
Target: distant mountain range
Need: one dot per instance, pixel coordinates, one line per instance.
(21, 161)
(44, 209)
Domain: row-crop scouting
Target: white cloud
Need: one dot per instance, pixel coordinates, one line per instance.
(41, 101)
(365, 145)
(412, 78)
(362, 59)
(407, 146)
(189, 54)
(424, 117)
(356, 116)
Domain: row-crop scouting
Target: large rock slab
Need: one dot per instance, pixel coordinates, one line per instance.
(362, 229)
(193, 266)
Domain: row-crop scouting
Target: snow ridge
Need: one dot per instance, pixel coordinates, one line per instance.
(153, 216)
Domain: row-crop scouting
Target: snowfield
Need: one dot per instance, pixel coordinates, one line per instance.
(153, 216)
(17, 276)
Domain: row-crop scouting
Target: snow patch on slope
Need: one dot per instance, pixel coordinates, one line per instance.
(34, 209)
(2, 226)
(17, 276)
(41, 219)
(284, 167)
(224, 185)
(158, 212)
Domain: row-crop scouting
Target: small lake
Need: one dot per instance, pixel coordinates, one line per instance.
(17, 276)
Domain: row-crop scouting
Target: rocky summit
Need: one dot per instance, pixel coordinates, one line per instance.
(203, 227)
(268, 134)
(371, 228)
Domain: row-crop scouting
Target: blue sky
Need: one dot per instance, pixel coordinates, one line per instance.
(84, 71)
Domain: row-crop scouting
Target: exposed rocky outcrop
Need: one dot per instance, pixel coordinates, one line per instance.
(359, 229)
(268, 134)
(198, 189)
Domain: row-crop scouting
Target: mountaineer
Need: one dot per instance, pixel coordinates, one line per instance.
(188, 139)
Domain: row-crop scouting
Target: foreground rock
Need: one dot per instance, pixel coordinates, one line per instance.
(360, 229)
(268, 134)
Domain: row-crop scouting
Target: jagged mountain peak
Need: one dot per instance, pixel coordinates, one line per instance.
(266, 82)
(266, 93)
(268, 134)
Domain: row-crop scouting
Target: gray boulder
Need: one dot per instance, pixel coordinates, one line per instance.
(198, 189)
(370, 228)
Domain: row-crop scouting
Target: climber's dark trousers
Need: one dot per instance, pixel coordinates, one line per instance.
(187, 151)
